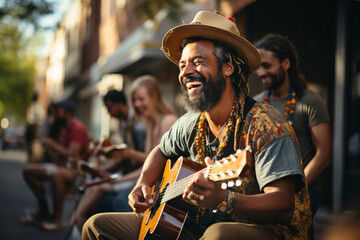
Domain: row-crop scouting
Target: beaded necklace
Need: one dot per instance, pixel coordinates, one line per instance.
(290, 104)
(200, 140)
(200, 137)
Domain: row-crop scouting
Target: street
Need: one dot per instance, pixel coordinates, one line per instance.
(16, 197)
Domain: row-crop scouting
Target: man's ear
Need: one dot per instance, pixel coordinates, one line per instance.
(228, 69)
(286, 64)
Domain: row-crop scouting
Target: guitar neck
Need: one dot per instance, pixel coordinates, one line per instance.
(227, 169)
(177, 189)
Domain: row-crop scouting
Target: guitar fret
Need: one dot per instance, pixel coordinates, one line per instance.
(175, 189)
(178, 188)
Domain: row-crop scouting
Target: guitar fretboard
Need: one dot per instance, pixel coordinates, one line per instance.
(177, 188)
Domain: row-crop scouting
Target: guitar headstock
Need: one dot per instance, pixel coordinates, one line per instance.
(230, 168)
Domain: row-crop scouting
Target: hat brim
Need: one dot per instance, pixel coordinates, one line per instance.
(172, 39)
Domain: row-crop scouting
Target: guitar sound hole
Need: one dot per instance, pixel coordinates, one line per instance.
(157, 201)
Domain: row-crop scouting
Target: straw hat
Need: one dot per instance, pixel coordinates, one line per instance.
(213, 26)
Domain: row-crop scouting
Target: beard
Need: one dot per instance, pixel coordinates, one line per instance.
(276, 80)
(210, 95)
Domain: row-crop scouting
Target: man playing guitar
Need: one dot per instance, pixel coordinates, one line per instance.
(271, 203)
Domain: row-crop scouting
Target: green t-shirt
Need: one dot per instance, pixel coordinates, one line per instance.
(275, 155)
(310, 111)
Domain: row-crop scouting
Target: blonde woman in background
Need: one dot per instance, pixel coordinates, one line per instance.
(148, 104)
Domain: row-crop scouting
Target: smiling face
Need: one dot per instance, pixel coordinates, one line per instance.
(271, 71)
(201, 76)
(142, 102)
(117, 110)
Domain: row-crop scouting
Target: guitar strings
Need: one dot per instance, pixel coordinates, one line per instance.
(178, 187)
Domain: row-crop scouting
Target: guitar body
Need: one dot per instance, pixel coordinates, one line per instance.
(165, 220)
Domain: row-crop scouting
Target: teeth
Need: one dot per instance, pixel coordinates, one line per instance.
(193, 83)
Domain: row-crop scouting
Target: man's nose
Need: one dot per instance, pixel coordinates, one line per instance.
(260, 71)
(186, 70)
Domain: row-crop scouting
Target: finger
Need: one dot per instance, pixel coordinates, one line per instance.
(198, 183)
(188, 196)
(140, 207)
(147, 195)
(208, 161)
(134, 202)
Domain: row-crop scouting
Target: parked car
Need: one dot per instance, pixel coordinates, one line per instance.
(12, 138)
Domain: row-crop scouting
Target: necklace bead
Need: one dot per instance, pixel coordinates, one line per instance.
(290, 104)
(200, 137)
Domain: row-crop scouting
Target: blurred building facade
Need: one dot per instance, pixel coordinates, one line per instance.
(103, 44)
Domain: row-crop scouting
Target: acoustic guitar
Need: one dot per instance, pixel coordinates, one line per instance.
(85, 167)
(164, 220)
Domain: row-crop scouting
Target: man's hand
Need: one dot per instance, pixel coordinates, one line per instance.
(140, 198)
(49, 142)
(74, 163)
(203, 192)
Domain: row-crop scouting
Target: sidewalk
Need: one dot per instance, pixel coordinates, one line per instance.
(13, 155)
(16, 197)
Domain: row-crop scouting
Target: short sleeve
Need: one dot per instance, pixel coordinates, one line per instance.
(316, 109)
(178, 141)
(277, 160)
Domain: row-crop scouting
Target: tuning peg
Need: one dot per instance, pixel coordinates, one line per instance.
(223, 185)
(232, 157)
(238, 183)
(248, 148)
(238, 151)
(230, 172)
(231, 184)
(215, 176)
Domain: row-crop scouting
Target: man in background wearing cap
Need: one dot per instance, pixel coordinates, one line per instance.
(73, 143)
(272, 202)
(286, 90)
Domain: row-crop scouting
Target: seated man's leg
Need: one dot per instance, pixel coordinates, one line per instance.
(234, 230)
(124, 226)
(60, 178)
(34, 175)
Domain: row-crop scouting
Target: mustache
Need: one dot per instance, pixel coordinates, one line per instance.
(265, 76)
(184, 80)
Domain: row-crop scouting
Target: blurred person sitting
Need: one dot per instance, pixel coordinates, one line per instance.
(49, 128)
(34, 117)
(112, 195)
(73, 142)
(123, 160)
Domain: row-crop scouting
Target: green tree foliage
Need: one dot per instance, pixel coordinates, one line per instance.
(19, 19)
(16, 72)
(28, 11)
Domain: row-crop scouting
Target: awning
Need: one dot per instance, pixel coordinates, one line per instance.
(145, 42)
